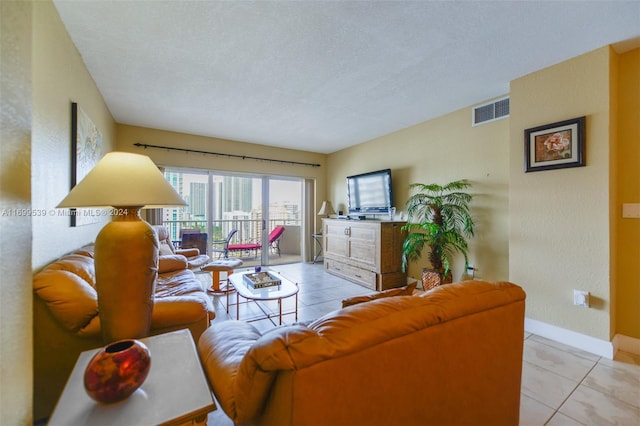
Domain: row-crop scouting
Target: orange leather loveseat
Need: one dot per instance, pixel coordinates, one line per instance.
(451, 356)
(66, 321)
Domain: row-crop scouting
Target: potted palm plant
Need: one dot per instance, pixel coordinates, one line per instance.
(439, 218)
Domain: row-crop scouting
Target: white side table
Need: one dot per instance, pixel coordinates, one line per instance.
(176, 391)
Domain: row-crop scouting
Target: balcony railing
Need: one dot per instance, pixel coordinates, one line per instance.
(249, 231)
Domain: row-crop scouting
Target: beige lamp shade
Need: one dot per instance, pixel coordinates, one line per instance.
(326, 209)
(122, 179)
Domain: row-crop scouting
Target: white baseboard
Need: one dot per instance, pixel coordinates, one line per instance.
(571, 338)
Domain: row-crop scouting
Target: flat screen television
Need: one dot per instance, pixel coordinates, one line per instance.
(369, 193)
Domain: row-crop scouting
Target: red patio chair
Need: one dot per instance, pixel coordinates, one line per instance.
(274, 242)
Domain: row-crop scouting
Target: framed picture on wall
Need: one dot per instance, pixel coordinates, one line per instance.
(555, 146)
(86, 151)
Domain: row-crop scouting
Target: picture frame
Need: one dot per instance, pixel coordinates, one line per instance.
(86, 151)
(555, 146)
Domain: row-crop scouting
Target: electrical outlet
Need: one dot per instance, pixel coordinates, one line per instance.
(469, 273)
(581, 298)
(470, 268)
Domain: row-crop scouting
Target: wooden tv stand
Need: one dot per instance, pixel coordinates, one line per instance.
(366, 252)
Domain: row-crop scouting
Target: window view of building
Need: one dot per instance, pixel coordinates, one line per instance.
(193, 189)
(219, 203)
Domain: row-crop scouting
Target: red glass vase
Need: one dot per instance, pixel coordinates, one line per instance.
(117, 370)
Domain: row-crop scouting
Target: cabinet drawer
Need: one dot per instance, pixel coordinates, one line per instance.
(352, 273)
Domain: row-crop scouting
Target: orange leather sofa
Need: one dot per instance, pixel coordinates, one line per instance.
(66, 320)
(450, 356)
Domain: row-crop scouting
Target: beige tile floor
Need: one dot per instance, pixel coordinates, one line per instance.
(561, 385)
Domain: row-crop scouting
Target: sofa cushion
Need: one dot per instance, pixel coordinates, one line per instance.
(177, 283)
(400, 291)
(88, 250)
(165, 249)
(173, 311)
(77, 264)
(189, 252)
(349, 330)
(170, 263)
(67, 288)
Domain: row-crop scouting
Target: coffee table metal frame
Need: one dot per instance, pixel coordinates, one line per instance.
(244, 290)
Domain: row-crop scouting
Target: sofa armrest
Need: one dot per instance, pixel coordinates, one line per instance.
(222, 349)
(171, 262)
(69, 297)
(188, 252)
(178, 310)
(242, 364)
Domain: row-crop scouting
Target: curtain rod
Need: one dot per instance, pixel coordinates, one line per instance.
(243, 157)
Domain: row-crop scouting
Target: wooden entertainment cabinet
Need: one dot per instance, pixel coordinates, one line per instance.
(366, 252)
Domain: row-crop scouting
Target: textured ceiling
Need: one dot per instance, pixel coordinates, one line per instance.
(323, 75)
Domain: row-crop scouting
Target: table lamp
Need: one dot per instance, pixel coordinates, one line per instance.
(326, 209)
(126, 249)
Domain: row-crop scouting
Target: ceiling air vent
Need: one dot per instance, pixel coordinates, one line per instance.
(490, 112)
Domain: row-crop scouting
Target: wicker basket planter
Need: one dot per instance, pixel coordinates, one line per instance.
(432, 279)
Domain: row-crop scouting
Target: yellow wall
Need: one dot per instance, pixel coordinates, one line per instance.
(549, 231)
(59, 78)
(559, 219)
(42, 73)
(439, 151)
(129, 135)
(15, 247)
(626, 173)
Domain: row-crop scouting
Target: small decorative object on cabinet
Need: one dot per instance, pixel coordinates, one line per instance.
(439, 218)
(117, 370)
(368, 253)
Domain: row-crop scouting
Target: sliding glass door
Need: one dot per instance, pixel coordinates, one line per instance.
(283, 204)
(237, 205)
(265, 212)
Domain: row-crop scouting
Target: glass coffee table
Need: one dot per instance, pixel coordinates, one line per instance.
(244, 290)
